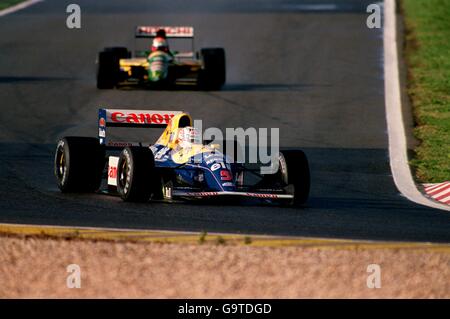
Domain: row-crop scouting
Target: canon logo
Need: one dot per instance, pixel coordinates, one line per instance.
(141, 118)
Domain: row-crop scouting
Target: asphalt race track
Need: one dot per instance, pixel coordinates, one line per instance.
(313, 69)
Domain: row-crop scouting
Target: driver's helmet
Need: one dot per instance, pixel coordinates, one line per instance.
(160, 44)
(189, 135)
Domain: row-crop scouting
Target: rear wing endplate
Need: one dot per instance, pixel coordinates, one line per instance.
(131, 118)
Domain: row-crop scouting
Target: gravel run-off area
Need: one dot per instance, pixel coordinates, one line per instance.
(37, 268)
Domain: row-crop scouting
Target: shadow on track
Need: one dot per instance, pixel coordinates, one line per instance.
(237, 87)
(25, 79)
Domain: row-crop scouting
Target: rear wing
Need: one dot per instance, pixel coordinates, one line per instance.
(171, 31)
(131, 118)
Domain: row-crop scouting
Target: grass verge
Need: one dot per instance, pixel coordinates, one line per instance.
(8, 3)
(427, 52)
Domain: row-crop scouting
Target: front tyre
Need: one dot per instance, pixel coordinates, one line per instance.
(295, 175)
(213, 74)
(79, 163)
(135, 172)
(108, 66)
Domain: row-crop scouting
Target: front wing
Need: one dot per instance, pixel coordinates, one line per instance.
(184, 193)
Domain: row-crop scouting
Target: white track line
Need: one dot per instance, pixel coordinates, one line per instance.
(396, 129)
(18, 7)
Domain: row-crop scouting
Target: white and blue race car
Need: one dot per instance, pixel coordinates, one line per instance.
(179, 165)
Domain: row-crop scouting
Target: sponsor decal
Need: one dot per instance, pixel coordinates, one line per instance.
(161, 154)
(203, 194)
(225, 175)
(170, 31)
(228, 184)
(215, 159)
(271, 196)
(120, 144)
(141, 118)
(216, 166)
(112, 170)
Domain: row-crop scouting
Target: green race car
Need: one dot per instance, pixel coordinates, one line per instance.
(160, 67)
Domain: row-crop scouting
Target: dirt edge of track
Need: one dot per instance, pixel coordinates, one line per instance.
(191, 238)
(35, 266)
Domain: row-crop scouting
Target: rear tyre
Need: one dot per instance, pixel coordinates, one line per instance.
(213, 74)
(79, 163)
(108, 66)
(136, 175)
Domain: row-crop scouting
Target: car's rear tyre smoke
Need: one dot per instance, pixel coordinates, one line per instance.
(213, 74)
(79, 163)
(136, 174)
(108, 67)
